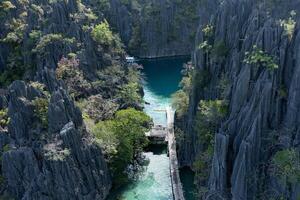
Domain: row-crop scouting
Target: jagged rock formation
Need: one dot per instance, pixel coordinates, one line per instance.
(155, 28)
(263, 115)
(60, 162)
(47, 153)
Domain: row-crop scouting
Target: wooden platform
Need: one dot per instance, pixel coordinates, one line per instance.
(157, 135)
(160, 134)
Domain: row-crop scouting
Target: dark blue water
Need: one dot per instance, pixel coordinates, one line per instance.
(162, 77)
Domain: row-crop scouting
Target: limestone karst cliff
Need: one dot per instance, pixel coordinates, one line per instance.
(155, 28)
(239, 130)
(54, 47)
(247, 57)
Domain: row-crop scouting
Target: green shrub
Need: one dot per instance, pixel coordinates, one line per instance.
(4, 119)
(122, 139)
(102, 34)
(7, 5)
(129, 94)
(57, 155)
(41, 87)
(14, 69)
(41, 110)
(5, 148)
(283, 92)
(69, 71)
(259, 57)
(287, 165)
(208, 118)
(289, 25)
(180, 102)
(180, 99)
(205, 46)
(208, 31)
(50, 39)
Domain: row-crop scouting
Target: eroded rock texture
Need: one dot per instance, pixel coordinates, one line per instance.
(155, 28)
(263, 115)
(55, 162)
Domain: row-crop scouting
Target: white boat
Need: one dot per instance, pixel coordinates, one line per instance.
(130, 59)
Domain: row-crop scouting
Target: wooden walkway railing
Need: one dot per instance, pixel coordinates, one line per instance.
(174, 169)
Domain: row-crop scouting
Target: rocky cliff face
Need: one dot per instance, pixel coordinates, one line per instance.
(59, 161)
(263, 100)
(46, 151)
(155, 28)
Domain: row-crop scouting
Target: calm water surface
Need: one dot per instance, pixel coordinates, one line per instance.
(162, 77)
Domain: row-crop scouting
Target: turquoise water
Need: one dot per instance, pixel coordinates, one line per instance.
(162, 77)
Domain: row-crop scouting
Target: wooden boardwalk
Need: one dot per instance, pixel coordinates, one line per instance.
(174, 169)
(166, 134)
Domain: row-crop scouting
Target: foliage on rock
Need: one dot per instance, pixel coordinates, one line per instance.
(68, 70)
(4, 119)
(41, 110)
(259, 57)
(287, 165)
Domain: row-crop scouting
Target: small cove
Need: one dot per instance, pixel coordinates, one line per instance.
(162, 77)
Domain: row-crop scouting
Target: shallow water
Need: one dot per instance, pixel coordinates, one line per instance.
(162, 77)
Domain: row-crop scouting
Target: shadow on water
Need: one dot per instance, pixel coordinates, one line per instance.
(157, 149)
(187, 180)
(163, 75)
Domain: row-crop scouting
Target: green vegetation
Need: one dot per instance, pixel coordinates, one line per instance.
(129, 94)
(68, 70)
(41, 110)
(193, 79)
(98, 108)
(208, 118)
(7, 5)
(205, 46)
(51, 39)
(5, 148)
(14, 69)
(40, 87)
(258, 57)
(289, 25)
(180, 99)
(57, 155)
(287, 165)
(4, 119)
(208, 31)
(122, 139)
(103, 35)
(282, 91)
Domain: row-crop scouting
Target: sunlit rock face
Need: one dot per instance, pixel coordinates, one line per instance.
(263, 116)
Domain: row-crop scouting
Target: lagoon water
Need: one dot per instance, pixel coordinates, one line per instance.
(162, 77)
